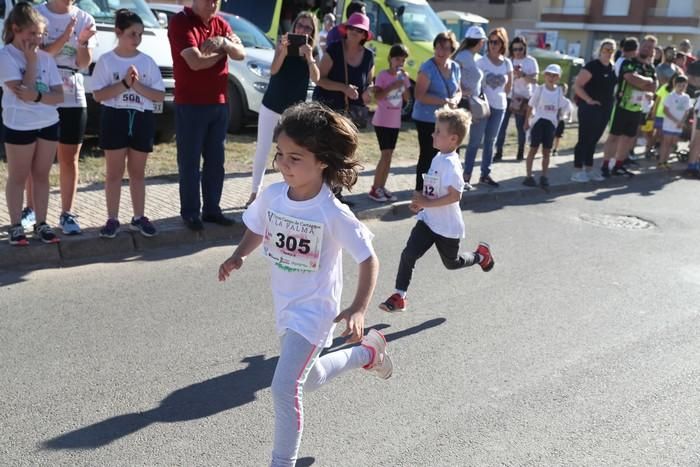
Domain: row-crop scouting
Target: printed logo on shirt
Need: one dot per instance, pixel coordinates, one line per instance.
(292, 244)
(495, 81)
(115, 76)
(68, 51)
(41, 87)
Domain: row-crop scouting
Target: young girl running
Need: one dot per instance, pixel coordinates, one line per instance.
(127, 82)
(31, 89)
(391, 88)
(303, 229)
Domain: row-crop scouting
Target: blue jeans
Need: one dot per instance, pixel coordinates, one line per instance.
(519, 125)
(486, 129)
(201, 131)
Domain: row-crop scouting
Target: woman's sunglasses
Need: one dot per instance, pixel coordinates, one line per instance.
(495, 42)
(356, 29)
(518, 49)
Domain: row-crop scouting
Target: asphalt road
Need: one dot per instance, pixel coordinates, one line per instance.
(579, 348)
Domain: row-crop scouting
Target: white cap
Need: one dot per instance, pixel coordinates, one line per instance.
(475, 32)
(553, 68)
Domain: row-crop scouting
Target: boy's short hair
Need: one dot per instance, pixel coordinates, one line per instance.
(458, 122)
(630, 44)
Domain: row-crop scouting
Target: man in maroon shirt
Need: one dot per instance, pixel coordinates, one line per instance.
(200, 42)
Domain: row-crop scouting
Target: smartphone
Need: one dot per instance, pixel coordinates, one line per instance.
(296, 41)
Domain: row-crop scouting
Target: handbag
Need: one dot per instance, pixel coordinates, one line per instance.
(518, 105)
(479, 107)
(359, 114)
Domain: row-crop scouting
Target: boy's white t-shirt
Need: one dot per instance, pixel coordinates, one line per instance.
(17, 114)
(495, 79)
(111, 68)
(677, 105)
(73, 87)
(548, 105)
(445, 171)
(304, 241)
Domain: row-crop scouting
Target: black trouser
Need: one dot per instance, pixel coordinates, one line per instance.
(427, 151)
(592, 120)
(419, 242)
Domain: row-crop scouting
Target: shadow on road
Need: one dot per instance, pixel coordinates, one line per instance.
(199, 400)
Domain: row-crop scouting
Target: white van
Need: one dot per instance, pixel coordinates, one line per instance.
(154, 36)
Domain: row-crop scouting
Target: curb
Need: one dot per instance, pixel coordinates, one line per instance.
(128, 244)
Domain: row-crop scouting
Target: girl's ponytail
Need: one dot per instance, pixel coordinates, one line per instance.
(23, 15)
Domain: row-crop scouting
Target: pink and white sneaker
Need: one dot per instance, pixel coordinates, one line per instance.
(381, 364)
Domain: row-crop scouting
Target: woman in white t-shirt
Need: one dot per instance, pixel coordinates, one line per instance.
(31, 89)
(127, 83)
(303, 230)
(70, 39)
(498, 79)
(525, 71)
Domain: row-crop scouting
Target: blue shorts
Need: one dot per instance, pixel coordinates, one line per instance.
(542, 133)
(22, 137)
(658, 123)
(672, 133)
(124, 128)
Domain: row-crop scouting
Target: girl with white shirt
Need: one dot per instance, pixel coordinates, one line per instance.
(498, 79)
(303, 229)
(31, 90)
(70, 38)
(127, 83)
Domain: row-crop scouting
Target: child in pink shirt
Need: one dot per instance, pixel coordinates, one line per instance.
(390, 89)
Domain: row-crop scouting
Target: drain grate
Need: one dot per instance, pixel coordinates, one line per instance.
(617, 221)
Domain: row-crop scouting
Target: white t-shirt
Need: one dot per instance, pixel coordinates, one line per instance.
(528, 65)
(677, 105)
(17, 114)
(73, 87)
(111, 68)
(495, 79)
(445, 171)
(304, 241)
(549, 105)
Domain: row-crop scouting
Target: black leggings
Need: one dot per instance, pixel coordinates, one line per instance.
(592, 120)
(427, 151)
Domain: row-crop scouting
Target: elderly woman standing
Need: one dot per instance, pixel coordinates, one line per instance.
(525, 71)
(498, 79)
(438, 84)
(594, 89)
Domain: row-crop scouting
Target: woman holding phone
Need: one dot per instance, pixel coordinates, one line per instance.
(292, 67)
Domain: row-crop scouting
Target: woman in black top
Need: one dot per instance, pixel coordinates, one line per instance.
(594, 90)
(289, 82)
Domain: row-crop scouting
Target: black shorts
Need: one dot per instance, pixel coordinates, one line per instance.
(49, 133)
(625, 123)
(387, 137)
(542, 133)
(560, 129)
(123, 128)
(73, 121)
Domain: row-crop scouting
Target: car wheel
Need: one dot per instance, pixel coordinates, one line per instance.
(407, 108)
(235, 109)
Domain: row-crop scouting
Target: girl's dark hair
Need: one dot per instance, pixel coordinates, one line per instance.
(681, 78)
(398, 50)
(672, 82)
(125, 18)
(330, 136)
(517, 40)
(23, 15)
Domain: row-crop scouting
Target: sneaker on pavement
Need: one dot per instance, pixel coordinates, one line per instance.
(17, 236)
(621, 170)
(144, 226)
(595, 176)
(45, 233)
(111, 229)
(390, 196)
(487, 261)
(544, 181)
(529, 181)
(28, 218)
(381, 364)
(605, 171)
(580, 176)
(394, 303)
(487, 180)
(377, 194)
(555, 153)
(68, 224)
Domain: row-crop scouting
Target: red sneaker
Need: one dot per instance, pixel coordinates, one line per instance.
(487, 261)
(394, 303)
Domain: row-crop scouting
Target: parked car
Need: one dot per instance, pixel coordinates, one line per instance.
(152, 44)
(248, 78)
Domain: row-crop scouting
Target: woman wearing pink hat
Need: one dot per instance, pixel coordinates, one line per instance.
(347, 71)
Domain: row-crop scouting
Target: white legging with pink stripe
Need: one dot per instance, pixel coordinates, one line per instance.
(300, 369)
(267, 120)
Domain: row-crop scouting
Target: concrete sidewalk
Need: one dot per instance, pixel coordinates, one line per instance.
(162, 207)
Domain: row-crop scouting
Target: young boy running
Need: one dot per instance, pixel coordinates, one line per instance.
(439, 216)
